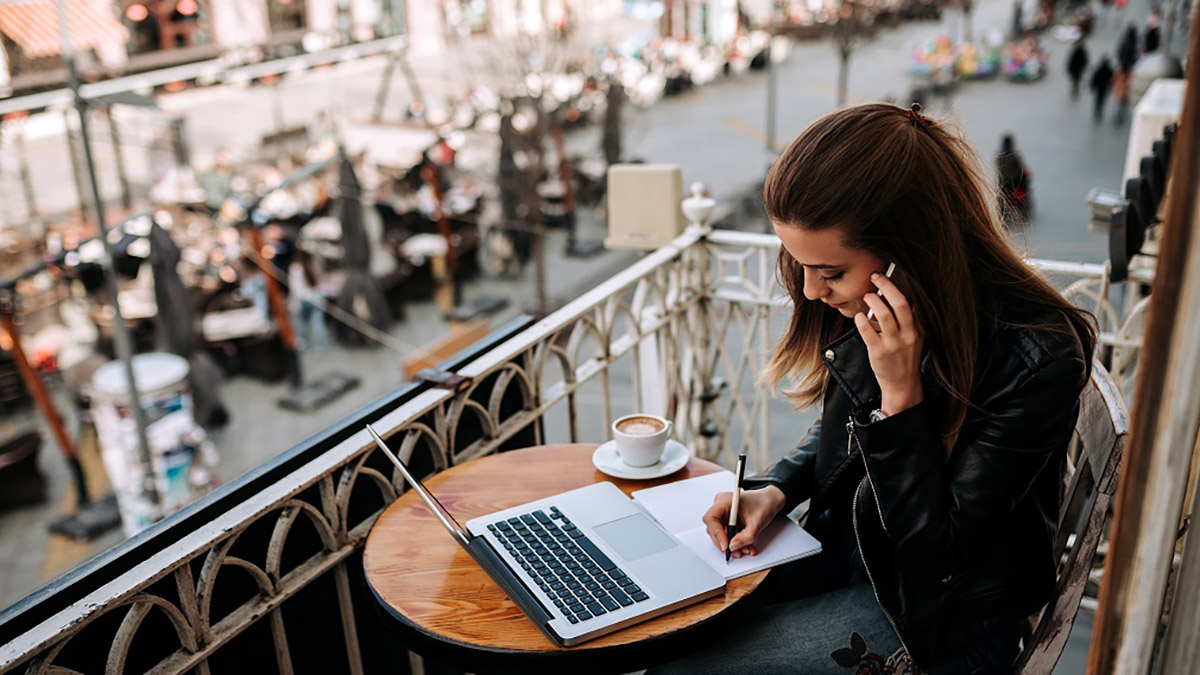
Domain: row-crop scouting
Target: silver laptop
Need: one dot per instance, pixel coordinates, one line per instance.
(580, 564)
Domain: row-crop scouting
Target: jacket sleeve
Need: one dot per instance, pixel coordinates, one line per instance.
(936, 511)
(794, 473)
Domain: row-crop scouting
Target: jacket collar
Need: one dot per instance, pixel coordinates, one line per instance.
(850, 365)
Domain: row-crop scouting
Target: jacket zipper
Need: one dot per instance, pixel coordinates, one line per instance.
(871, 579)
(852, 438)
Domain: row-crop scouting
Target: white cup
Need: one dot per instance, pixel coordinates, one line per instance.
(641, 438)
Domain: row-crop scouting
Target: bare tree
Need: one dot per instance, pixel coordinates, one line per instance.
(854, 22)
(967, 6)
(523, 71)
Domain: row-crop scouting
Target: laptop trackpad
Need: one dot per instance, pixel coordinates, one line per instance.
(634, 537)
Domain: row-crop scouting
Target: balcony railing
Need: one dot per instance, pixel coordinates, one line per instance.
(264, 573)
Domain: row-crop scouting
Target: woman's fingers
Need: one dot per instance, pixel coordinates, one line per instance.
(867, 332)
(899, 304)
(755, 517)
(883, 314)
(716, 517)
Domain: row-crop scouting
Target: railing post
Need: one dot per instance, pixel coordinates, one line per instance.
(699, 362)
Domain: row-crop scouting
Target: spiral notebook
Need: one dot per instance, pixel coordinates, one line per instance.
(679, 506)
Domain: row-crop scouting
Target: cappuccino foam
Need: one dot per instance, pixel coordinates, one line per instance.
(640, 426)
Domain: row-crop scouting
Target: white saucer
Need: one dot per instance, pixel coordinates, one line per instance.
(674, 458)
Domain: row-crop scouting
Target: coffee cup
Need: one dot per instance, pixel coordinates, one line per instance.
(640, 438)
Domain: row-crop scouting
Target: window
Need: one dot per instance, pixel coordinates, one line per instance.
(286, 15)
(165, 24)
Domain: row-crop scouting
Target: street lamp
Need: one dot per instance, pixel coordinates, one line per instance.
(120, 333)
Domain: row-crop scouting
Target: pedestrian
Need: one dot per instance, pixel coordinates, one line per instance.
(1151, 39)
(1120, 93)
(307, 303)
(1101, 82)
(1127, 50)
(1012, 180)
(1106, 8)
(1018, 20)
(1076, 66)
(944, 421)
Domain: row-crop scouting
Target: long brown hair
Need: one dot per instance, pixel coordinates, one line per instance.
(911, 191)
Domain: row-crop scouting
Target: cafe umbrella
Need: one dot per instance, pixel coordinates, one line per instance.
(176, 321)
(360, 295)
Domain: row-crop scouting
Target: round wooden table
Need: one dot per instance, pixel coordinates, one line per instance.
(447, 608)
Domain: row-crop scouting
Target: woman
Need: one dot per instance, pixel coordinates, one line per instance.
(935, 472)
(1101, 82)
(307, 303)
(1120, 94)
(1016, 204)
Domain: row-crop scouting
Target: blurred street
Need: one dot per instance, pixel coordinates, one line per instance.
(716, 133)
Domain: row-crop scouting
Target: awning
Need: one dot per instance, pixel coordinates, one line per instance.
(33, 25)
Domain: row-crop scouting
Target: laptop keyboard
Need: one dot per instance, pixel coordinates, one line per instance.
(567, 566)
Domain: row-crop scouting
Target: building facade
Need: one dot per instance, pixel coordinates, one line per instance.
(114, 37)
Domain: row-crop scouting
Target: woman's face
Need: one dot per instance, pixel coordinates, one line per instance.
(833, 273)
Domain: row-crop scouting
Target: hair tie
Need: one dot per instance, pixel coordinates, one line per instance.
(914, 115)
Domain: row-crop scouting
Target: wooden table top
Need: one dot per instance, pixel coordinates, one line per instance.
(418, 570)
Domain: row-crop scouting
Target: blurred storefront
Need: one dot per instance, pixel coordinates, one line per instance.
(115, 37)
(433, 24)
(31, 40)
(707, 21)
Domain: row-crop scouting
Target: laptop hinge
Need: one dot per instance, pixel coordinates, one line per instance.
(481, 549)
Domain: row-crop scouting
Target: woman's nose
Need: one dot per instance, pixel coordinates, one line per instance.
(813, 288)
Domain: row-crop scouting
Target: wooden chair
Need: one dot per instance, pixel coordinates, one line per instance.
(1101, 431)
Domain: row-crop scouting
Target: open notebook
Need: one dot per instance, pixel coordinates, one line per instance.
(679, 506)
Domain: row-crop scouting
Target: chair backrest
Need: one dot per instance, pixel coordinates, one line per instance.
(1101, 431)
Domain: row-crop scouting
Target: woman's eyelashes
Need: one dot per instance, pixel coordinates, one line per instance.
(833, 277)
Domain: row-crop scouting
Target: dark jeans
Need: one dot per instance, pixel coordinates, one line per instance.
(991, 654)
(803, 623)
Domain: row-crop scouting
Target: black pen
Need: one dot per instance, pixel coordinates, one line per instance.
(731, 529)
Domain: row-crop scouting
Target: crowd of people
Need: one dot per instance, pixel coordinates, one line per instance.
(1110, 78)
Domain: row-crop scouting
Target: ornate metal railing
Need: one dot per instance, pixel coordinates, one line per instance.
(1121, 320)
(264, 574)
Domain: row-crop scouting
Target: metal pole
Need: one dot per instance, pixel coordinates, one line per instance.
(772, 85)
(76, 174)
(120, 333)
(42, 398)
(278, 305)
(31, 208)
(385, 83)
(119, 159)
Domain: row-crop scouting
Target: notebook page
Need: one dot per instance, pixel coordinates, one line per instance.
(781, 541)
(679, 506)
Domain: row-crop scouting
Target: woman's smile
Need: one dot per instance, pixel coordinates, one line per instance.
(834, 274)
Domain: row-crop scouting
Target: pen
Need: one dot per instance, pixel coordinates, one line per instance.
(891, 268)
(731, 529)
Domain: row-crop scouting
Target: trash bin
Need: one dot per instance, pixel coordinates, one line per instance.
(181, 454)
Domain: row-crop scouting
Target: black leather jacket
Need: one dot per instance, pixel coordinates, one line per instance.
(954, 546)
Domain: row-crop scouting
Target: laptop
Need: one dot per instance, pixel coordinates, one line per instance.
(580, 564)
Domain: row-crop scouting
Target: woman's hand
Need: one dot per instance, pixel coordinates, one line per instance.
(895, 349)
(756, 508)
